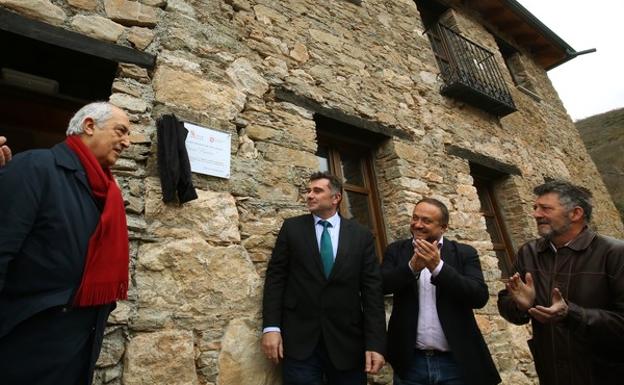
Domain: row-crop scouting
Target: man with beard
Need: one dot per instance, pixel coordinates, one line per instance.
(433, 337)
(63, 251)
(570, 284)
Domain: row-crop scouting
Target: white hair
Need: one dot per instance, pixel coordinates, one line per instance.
(100, 112)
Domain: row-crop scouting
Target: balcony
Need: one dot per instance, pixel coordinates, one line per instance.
(469, 72)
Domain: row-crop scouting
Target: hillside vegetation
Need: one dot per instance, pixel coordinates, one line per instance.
(603, 135)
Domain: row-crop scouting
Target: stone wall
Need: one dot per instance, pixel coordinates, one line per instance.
(193, 316)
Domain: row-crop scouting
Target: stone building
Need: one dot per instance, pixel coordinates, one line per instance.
(403, 98)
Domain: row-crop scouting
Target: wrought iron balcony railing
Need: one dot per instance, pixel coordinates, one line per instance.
(470, 72)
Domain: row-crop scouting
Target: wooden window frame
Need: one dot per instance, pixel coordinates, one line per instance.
(485, 184)
(334, 145)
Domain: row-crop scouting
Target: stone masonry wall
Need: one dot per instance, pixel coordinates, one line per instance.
(193, 316)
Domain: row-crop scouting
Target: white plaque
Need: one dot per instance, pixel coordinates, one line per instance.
(208, 151)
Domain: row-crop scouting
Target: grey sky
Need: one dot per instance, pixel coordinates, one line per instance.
(593, 83)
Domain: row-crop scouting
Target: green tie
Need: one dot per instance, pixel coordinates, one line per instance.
(327, 251)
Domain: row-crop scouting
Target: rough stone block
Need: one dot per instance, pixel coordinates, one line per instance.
(131, 13)
(42, 10)
(323, 37)
(278, 192)
(129, 103)
(113, 348)
(213, 215)
(414, 185)
(97, 27)
(300, 53)
(246, 78)
(186, 63)
(287, 156)
(121, 314)
(89, 5)
(140, 37)
(165, 357)
(127, 87)
(408, 151)
(190, 91)
(134, 72)
(258, 132)
(188, 282)
(267, 15)
(239, 361)
(182, 7)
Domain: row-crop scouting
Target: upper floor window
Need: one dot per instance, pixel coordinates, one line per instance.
(469, 71)
(517, 69)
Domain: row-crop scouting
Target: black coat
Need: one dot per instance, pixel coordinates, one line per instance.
(460, 288)
(47, 215)
(174, 167)
(346, 309)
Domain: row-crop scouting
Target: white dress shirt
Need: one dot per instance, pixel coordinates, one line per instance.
(430, 335)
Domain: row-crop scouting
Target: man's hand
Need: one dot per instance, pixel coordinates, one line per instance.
(555, 313)
(272, 346)
(374, 362)
(428, 252)
(5, 152)
(416, 263)
(522, 293)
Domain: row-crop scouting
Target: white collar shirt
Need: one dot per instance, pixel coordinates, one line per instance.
(430, 335)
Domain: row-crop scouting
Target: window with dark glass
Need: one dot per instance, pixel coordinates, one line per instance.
(340, 153)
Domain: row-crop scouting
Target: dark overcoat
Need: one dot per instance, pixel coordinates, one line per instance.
(47, 215)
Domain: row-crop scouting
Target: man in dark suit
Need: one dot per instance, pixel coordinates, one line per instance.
(323, 311)
(433, 337)
(63, 251)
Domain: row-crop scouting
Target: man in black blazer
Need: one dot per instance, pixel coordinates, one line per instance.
(323, 316)
(433, 337)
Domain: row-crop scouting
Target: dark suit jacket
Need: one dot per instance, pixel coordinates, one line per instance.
(459, 289)
(47, 216)
(346, 310)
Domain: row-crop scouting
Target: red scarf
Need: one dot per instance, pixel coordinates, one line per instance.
(105, 277)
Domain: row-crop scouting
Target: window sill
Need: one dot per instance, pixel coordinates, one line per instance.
(530, 93)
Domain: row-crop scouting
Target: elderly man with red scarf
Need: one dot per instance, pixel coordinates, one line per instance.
(63, 251)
